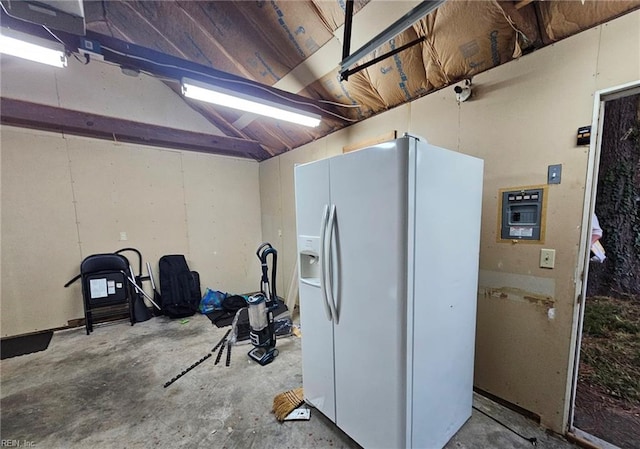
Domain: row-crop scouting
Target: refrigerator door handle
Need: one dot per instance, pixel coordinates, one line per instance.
(323, 277)
(327, 263)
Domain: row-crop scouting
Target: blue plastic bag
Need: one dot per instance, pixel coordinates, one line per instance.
(211, 300)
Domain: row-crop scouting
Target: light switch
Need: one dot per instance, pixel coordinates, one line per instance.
(554, 174)
(547, 258)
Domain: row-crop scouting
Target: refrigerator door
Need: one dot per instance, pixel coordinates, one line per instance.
(312, 200)
(368, 273)
(447, 225)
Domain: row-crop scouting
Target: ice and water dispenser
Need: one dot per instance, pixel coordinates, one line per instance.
(310, 270)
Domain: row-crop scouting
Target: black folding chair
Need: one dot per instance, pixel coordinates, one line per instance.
(105, 289)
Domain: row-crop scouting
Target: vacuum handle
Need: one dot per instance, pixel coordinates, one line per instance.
(261, 247)
(268, 290)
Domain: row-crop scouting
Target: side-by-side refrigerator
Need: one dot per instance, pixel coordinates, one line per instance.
(388, 244)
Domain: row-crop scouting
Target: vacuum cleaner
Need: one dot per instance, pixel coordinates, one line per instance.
(261, 307)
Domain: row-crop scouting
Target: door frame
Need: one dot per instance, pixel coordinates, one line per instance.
(582, 268)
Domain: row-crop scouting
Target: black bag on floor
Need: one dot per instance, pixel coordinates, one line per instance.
(179, 287)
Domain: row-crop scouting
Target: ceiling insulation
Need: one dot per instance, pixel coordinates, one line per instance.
(264, 41)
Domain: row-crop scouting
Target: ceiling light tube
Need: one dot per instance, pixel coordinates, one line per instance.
(237, 100)
(33, 48)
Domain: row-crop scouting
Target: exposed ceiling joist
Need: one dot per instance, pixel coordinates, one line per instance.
(38, 116)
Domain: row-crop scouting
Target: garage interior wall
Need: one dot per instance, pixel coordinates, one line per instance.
(65, 197)
(523, 116)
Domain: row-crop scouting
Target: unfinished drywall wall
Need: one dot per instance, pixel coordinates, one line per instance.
(523, 117)
(525, 313)
(38, 221)
(222, 202)
(64, 198)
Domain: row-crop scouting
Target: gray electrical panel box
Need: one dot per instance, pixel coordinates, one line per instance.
(522, 214)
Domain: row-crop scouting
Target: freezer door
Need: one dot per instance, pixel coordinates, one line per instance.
(447, 224)
(369, 190)
(312, 197)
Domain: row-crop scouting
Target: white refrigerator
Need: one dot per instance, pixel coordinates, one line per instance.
(388, 244)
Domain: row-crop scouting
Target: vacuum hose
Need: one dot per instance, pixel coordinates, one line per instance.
(269, 290)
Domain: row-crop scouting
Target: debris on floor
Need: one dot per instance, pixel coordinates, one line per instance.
(285, 403)
(299, 414)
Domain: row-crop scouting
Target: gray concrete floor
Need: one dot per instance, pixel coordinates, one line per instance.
(107, 390)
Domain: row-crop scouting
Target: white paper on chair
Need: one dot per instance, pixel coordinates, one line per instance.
(98, 288)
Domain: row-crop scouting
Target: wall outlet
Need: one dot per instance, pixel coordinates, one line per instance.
(123, 236)
(547, 258)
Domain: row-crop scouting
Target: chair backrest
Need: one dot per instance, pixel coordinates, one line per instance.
(104, 262)
(105, 288)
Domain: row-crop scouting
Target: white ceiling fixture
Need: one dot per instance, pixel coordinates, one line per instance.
(33, 48)
(238, 100)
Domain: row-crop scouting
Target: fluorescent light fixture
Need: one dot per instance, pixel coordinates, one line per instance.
(32, 48)
(236, 100)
